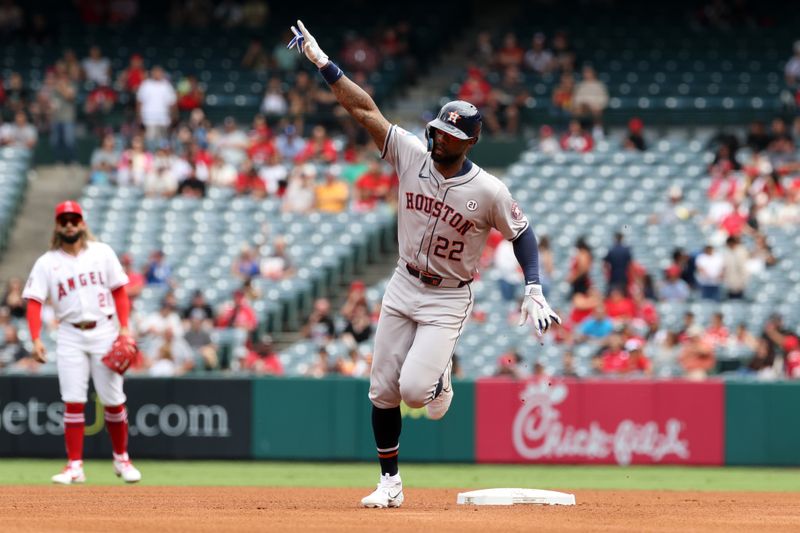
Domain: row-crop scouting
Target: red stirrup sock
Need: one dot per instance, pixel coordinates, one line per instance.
(117, 425)
(74, 422)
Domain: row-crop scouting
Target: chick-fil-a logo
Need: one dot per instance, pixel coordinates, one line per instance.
(538, 432)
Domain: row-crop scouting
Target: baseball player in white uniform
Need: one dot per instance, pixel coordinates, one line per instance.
(447, 206)
(85, 283)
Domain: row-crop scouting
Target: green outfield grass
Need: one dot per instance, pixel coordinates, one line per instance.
(262, 473)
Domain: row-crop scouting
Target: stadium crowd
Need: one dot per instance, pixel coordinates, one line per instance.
(301, 148)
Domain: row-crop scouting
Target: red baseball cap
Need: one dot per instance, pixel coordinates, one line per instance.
(69, 207)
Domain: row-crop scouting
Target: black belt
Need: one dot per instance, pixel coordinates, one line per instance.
(83, 326)
(434, 280)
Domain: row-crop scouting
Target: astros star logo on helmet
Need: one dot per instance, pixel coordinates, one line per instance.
(453, 117)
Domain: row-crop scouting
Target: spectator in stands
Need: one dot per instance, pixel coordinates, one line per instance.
(237, 314)
(595, 329)
(358, 328)
(157, 271)
(17, 96)
(568, 365)
(638, 362)
(548, 144)
(742, 341)
(483, 51)
(321, 367)
(135, 164)
(619, 307)
(617, 263)
(358, 55)
(734, 268)
(156, 104)
(716, 334)
(792, 347)
(591, 98)
(231, 143)
(63, 114)
(509, 274)
(773, 335)
(192, 185)
(673, 288)
(165, 318)
(539, 58)
(289, 143)
(580, 268)
(665, 349)
(167, 172)
(170, 356)
(613, 359)
(576, 139)
(583, 305)
(511, 54)
(228, 14)
(199, 340)
(710, 269)
(249, 181)
(563, 52)
(98, 106)
(511, 96)
(333, 194)
(262, 358)
(299, 195)
(274, 103)
(696, 355)
(320, 326)
(372, 187)
(562, 104)
(189, 94)
(12, 351)
(757, 137)
(131, 78)
(121, 12)
(72, 66)
(510, 365)
(136, 281)
(277, 265)
(12, 20)
(198, 304)
(634, 140)
(357, 366)
(256, 58)
(318, 149)
(222, 173)
(792, 69)
(12, 298)
(763, 362)
(475, 88)
(356, 296)
(19, 134)
(96, 67)
(246, 266)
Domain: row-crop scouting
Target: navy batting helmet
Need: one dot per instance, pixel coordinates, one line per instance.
(458, 118)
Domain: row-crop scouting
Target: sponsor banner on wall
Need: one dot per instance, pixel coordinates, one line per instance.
(175, 418)
(603, 422)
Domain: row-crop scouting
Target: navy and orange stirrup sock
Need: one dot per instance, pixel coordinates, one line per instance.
(386, 425)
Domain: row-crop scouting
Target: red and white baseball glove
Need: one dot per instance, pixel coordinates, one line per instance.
(121, 355)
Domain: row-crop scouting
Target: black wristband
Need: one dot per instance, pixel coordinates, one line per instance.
(331, 72)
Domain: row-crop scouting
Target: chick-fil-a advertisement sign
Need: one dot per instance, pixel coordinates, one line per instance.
(604, 422)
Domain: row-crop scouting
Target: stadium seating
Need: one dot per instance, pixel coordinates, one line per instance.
(14, 164)
(568, 195)
(201, 239)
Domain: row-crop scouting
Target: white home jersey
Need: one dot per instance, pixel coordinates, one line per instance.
(443, 224)
(79, 286)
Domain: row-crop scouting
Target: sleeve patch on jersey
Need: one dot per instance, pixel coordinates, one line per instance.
(472, 205)
(516, 212)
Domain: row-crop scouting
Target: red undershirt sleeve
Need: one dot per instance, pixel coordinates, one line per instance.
(122, 304)
(34, 316)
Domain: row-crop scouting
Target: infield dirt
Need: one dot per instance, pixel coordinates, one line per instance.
(200, 509)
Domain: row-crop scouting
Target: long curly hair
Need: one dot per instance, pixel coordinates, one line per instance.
(56, 241)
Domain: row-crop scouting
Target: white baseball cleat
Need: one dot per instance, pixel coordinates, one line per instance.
(124, 468)
(388, 494)
(72, 473)
(438, 407)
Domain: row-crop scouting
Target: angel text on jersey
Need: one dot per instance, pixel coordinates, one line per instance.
(81, 280)
(438, 209)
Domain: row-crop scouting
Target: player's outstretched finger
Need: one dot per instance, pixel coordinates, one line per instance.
(302, 28)
(523, 317)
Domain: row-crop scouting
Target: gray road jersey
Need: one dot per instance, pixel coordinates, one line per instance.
(443, 224)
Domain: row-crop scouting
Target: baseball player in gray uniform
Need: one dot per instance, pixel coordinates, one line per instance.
(447, 206)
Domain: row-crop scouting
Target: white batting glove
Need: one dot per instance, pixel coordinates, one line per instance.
(535, 306)
(307, 45)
